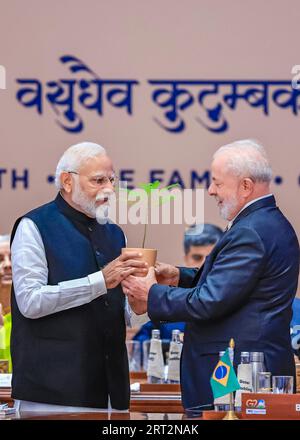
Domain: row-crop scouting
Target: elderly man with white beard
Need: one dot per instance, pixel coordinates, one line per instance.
(245, 288)
(68, 308)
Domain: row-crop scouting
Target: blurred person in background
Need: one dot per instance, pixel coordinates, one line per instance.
(5, 273)
(295, 326)
(5, 293)
(199, 241)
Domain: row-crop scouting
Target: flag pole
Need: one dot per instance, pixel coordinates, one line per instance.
(231, 415)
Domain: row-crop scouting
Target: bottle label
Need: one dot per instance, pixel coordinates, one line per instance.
(174, 361)
(244, 375)
(155, 360)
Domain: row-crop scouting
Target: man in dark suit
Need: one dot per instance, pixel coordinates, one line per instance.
(247, 285)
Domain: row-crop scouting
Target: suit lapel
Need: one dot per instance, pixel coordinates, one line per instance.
(263, 203)
(202, 273)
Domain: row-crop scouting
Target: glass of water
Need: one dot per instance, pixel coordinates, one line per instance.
(283, 384)
(264, 382)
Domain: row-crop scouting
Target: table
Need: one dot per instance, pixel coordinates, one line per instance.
(165, 398)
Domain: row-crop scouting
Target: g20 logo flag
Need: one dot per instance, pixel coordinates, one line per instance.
(224, 380)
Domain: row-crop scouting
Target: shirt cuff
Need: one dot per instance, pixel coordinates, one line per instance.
(97, 283)
(138, 320)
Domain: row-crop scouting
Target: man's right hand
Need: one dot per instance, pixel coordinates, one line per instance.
(129, 263)
(167, 274)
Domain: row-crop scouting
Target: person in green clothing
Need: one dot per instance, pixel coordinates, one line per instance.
(5, 286)
(1, 316)
(5, 331)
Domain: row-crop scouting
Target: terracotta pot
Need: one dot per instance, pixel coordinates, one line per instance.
(148, 255)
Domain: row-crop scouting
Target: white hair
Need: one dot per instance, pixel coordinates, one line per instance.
(74, 157)
(5, 238)
(247, 158)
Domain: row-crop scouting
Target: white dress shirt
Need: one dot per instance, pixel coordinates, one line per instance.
(36, 298)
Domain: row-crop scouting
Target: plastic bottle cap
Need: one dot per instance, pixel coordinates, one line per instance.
(175, 332)
(256, 356)
(155, 334)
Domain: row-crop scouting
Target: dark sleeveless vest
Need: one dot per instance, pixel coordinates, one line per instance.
(76, 357)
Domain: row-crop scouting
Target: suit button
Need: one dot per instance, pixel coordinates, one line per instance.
(90, 229)
(97, 253)
(106, 357)
(106, 303)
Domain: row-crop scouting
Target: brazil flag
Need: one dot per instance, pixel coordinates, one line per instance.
(224, 380)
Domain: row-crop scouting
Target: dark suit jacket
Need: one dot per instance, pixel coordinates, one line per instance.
(245, 291)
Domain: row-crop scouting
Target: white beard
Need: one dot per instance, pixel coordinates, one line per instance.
(100, 213)
(228, 207)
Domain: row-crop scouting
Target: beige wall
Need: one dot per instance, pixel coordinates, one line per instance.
(145, 40)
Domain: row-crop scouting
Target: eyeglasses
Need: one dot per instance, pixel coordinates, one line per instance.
(100, 181)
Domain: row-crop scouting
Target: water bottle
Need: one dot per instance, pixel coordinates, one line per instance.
(222, 403)
(173, 375)
(155, 370)
(257, 362)
(245, 357)
(244, 376)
